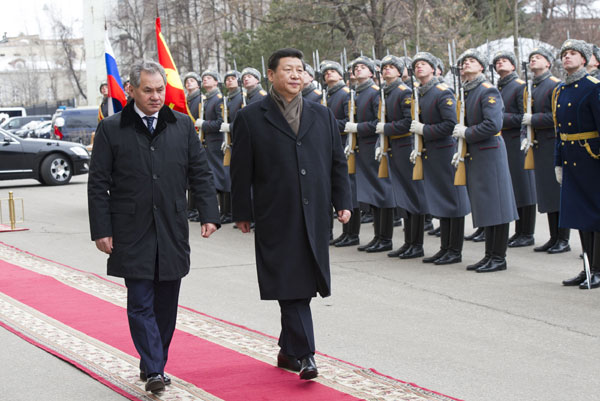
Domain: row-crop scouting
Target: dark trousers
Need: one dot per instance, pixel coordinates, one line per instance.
(496, 240)
(452, 232)
(590, 242)
(152, 313)
(526, 223)
(414, 229)
(297, 337)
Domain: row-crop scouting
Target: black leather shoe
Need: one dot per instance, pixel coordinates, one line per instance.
(559, 247)
(338, 239)
(474, 234)
(522, 240)
(226, 219)
(370, 244)
(594, 282)
(513, 237)
(288, 362)
(578, 279)
(496, 263)
(434, 231)
(477, 265)
(415, 251)
(350, 240)
(449, 258)
(399, 251)
(366, 218)
(192, 213)
(308, 368)
(433, 258)
(195, 219)
(480, 237)
(166, 378)
(546, 246)
(398, 222)
(155, 383)
(380, 246)
(428, 226)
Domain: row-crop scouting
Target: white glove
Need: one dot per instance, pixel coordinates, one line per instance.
(351, 127)
(413, 156)
(347, 151)
(224, 147)
(526, 119)
(558, 174)
(416, 127)
(525, 145)
(379, 128)
(455, 160)
(378, 153)
(224, 127)
(199, 123)
(459, 131)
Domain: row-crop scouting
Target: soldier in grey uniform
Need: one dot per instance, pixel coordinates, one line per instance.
(191, 82)
(542, 122)
(372, 190)
(437, 118)
(488, 176)
(310, 90)
(210, 124)
(251, 82)
(338, 97)
(593, 64)
(409, 194)
(512, 90)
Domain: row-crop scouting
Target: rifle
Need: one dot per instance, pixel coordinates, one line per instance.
(352, 140)
(226, 135)
(529, 162)
(383, 171)
(460, 176)
(201, 116)
(492, 73)
(418, 142)
(264, 73)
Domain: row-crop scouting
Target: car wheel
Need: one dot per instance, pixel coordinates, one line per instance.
(56, 170)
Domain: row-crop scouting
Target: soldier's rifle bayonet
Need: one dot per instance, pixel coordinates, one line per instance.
(529, 161)
(418, 140)
(351, 147)
(226, 135)
(201, 117)
(264, 73)
(460, 176)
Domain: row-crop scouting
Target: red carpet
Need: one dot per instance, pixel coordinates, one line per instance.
(94, 316)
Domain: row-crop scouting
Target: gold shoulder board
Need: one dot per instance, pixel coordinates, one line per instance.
(442, 87)
(519, 80)
(219, 96)
(402, 87)
(555, 79)
(487, 85)
(375, 87)
(594, 80)
(346, 89)
(262, 92)
(318, 92)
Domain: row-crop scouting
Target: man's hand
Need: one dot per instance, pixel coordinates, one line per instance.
(379, 128)
(208, 229)
(105, 244)
(351, 127)
(378, 153)
(224, 127)
(525, 144)
(455, 160)
(344, 216)
(347, 151)
(199, 123)
(459, 131)
(416, 127)
(558, 174)
(413, 156)
(526, 119)
(244, 226)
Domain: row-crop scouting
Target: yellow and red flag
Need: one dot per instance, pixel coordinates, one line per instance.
(175, 95)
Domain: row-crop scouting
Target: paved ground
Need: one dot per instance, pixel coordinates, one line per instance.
(513, 335)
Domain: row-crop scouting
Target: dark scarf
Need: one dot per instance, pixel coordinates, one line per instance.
(576, 76)
(291, 111)
(194, 95)
(540, 78)
(469, 85)
(502, 82)
(361, 87)
(233, 93)
(423, 89)
(335, 88)
(212, 93)
(388, 88)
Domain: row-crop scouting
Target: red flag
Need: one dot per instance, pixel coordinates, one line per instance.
(174, 96)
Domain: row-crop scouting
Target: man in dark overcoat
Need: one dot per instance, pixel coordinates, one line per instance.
(577, 155)
(488, 178)
(288, 168)
(541, 121)
(142, 162)
(446, 201)
(512, 90)
(409, 194)
(193, 97)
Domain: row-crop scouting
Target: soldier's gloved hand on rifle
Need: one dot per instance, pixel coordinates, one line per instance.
(347, 151)
(413, 156)
(224, 146)
(351, 127)
(459, 131)
(199, 123)
(558, 174)
(526, 144)
(455, 160)
(224, 127)
(416, 127)
(378, 153)
(379, 128)
(526, 119)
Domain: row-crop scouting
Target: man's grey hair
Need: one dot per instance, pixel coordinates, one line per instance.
(149, 66)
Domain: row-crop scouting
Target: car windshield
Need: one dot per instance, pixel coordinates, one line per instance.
(74, 121)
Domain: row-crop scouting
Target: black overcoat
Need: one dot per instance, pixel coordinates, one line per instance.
(294, 181)
(136, 192)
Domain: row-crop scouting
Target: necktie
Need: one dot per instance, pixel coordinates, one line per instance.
(150, 124)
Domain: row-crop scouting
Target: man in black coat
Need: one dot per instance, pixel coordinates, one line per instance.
(142, 162)
(287, 168)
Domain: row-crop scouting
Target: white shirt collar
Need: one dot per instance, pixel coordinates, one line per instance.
(142, 114)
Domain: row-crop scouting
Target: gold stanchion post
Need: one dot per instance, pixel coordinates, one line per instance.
(11, 210)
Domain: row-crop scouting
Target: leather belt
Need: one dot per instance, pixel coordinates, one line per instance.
(400, 136)
(579, 136)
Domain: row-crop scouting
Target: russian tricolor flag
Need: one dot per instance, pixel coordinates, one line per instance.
(116, 95)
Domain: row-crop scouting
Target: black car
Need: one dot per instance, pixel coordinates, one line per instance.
(51, 162)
